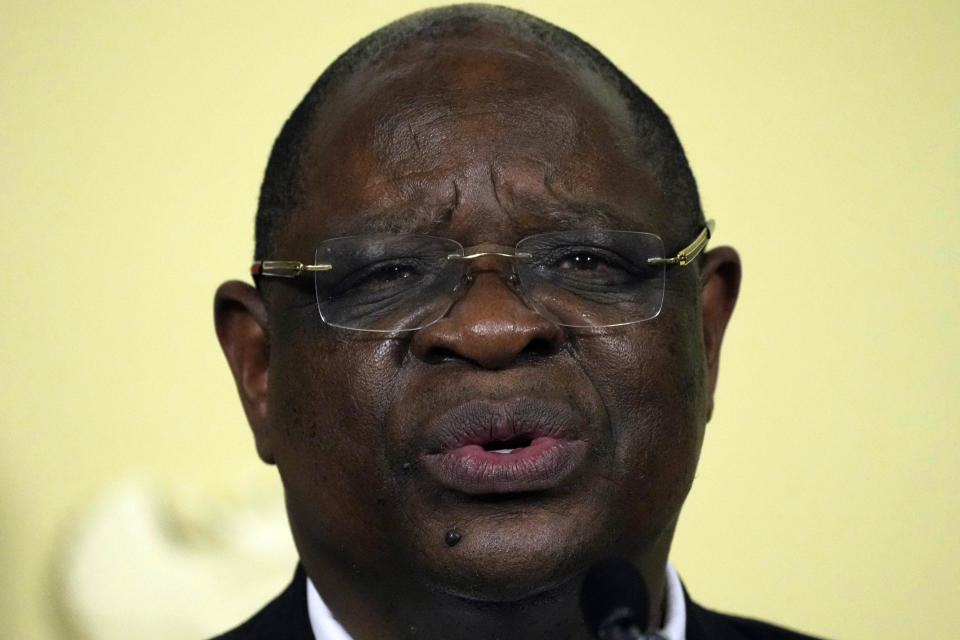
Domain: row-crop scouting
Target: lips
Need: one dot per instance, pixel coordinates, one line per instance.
(498, 448)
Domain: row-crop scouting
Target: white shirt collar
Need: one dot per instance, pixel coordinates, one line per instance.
(321, 620)
(325, 627)
(674, 608)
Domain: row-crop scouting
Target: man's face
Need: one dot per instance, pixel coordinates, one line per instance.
(381, 439)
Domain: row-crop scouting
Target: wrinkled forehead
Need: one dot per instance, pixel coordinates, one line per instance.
(483, 123)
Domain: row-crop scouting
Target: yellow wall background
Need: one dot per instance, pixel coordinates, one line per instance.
(825, 139)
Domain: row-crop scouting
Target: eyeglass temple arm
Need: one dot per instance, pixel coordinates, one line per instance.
(285, 268)
(690, 252)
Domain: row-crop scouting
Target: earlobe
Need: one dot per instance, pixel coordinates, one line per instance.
(720, 283)
(240, 317)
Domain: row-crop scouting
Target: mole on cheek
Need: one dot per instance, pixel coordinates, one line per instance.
(453, 537)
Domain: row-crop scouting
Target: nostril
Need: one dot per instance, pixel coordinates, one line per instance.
(541, 347)
(437, 355)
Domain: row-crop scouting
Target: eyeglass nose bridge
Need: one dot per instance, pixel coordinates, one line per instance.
(521, 255)
(470, 257)
(513, 280)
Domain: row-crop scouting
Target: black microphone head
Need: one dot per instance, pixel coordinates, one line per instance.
(614, 595)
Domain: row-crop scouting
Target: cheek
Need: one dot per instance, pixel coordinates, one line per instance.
(328, 398)
(649, 373)
(651, 379)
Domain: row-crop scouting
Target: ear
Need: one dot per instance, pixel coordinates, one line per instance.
(720, 284)
(240, 317)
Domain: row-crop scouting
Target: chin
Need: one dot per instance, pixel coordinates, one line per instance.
(507, 585)
(514, 558)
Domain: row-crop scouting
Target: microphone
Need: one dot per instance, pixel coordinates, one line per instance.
(614, 601)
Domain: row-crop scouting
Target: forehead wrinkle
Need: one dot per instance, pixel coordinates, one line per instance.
(415, 200)
(421, 132)
(417, 218)
(557, 209)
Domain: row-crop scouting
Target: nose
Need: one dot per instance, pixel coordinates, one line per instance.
(489, 326)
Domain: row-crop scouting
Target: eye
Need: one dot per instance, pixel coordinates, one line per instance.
(381, 277)
(581, 262)
(391, 272)
(586, 260)
(581, 267)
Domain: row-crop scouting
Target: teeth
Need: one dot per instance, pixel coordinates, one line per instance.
(502, 451)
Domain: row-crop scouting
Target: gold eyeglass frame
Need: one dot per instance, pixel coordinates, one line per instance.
(293, 268)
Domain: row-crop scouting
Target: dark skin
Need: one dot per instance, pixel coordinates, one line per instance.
(484, 139)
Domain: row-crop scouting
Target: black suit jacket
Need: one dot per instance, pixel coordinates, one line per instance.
(286, 618)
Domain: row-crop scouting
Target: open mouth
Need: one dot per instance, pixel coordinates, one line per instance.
(507, 446)
(482, 448)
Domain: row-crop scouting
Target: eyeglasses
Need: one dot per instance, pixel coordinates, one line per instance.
(391, 282)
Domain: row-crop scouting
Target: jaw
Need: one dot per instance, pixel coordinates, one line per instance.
(531, 590)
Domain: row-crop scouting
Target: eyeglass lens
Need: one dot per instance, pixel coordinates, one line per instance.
(385, 282)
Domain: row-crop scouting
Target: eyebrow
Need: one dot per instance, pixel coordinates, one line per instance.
(558, 216)
(403, 219)
(561, 213)
(551, 212)
(576, 215)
